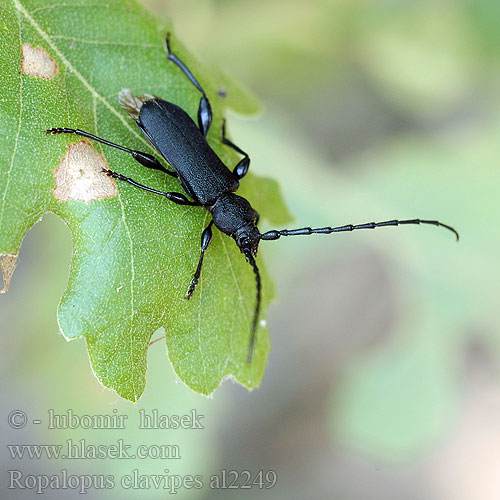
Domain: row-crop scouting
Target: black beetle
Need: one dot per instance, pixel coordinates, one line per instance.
(205, 178)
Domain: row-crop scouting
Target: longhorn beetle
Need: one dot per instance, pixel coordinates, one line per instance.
(204, 177)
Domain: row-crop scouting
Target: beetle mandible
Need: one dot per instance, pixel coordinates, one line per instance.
(205, 178)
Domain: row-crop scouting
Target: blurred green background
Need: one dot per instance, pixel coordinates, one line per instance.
(383, 381)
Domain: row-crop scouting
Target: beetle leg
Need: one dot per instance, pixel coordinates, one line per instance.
(243, 165)
(206, 238)
(144, 159)
(178, 198)
(204, 109)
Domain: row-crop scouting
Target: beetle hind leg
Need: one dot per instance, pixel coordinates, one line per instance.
(145, 159)
(177, 198)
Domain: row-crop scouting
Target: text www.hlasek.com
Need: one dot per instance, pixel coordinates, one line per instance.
(82, 450)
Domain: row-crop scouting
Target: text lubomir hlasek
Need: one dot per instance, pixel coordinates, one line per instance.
(147, 420)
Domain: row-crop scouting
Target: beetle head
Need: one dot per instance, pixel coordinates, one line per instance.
(234, 216)
(247, 238)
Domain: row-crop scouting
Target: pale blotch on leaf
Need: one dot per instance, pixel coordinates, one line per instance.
(36, 62)
(80, 175)
(8, 262)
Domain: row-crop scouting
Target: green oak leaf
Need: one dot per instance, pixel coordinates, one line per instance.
(134, 252)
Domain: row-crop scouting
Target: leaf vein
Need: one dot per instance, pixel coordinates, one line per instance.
(105, 42)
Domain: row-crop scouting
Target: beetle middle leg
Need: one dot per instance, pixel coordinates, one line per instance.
(144, 159)
(243, 165)
(206, 238)
(204, 109)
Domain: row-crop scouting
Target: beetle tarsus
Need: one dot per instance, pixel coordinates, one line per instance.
(60, 130)
(191, 289)
(167, 42)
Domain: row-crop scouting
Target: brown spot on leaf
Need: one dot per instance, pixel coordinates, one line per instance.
(36, 62)
(79, 176)
(8, 262)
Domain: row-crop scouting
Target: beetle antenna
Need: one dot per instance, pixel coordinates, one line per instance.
(275, 234)
(251, 345)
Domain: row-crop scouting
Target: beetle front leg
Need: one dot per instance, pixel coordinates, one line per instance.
(243, 165)
(206, 238)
